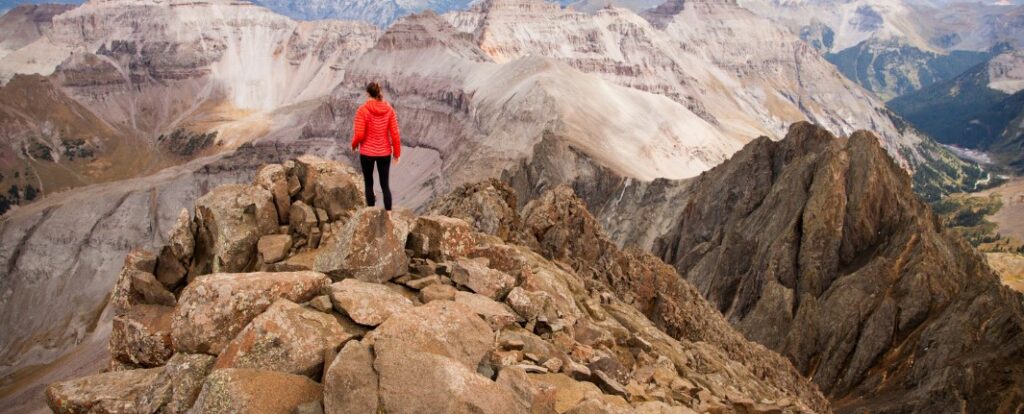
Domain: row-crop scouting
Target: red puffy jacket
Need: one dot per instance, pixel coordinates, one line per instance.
(374, 121)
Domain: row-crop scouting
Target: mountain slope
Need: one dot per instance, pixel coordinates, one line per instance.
(978, 109)
(174, 81)
(896, 47)
(816, 247)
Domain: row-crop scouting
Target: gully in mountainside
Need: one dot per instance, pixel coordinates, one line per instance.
(377, 137)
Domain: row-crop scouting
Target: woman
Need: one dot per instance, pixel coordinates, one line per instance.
(375, 121)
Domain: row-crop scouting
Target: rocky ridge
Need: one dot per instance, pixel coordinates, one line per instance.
(816, 247)
(471, 322)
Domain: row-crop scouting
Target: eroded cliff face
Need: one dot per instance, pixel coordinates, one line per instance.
(816, 247)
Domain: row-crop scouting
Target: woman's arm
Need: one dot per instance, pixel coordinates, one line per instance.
(358, 128)
(396, 136)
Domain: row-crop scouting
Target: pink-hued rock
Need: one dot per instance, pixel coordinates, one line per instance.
(215, 308)
(112, 392)
(142, 336)
(481, 279)
(286, 337)
(229, 222)
(441, 238)
(367, 304)
(350, 384)
(245, 391)
(367, 248)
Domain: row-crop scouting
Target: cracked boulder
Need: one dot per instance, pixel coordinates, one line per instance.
(175, 389)
(245, 391)
(229, 223)
(142, 336)
(441, 238)
(334, 187)
(367, 248)
(350, 383)
(213, 309)
(286, 338)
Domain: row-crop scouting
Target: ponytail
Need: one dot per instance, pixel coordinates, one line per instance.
(374, 90)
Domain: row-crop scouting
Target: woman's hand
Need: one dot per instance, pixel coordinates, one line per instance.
(395, 160)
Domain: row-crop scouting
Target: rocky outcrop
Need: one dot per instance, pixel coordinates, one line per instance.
(816, 247)
(368, 248)
(541, 338)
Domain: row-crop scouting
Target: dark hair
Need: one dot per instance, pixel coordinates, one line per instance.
(373, 88)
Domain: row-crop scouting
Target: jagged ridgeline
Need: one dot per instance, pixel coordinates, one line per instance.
(333, 306)
(816, 247)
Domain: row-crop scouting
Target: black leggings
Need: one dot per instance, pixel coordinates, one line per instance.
(383, 166)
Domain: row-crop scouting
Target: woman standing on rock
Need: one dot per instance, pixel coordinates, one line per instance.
(375, 122)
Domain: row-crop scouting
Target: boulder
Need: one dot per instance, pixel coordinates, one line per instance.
(243, 391)
(367, 304)
(367, 248)
(150, 290)
(529, 305)
(274, 248)
(142, 336)
(286, 337)
(481, 279)
(302, 219)
(124, 295)
(229, 222)
(437, 292)
(496, 314)
(213, 309)
(441, 238)
(426, 382)
(445, 328)
(176, 255)
(329, 185)
(175, 389)
(112, 392)
(350, 383)
(274, 179)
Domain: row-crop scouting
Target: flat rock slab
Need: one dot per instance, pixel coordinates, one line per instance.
(367, 304)
(213, 309)
(286, 337)
(274, 248)
(498, 315)
(112, 392)
(441, 327)
(481, 279)
(244, 391)
(350, 384)
(412, 381)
